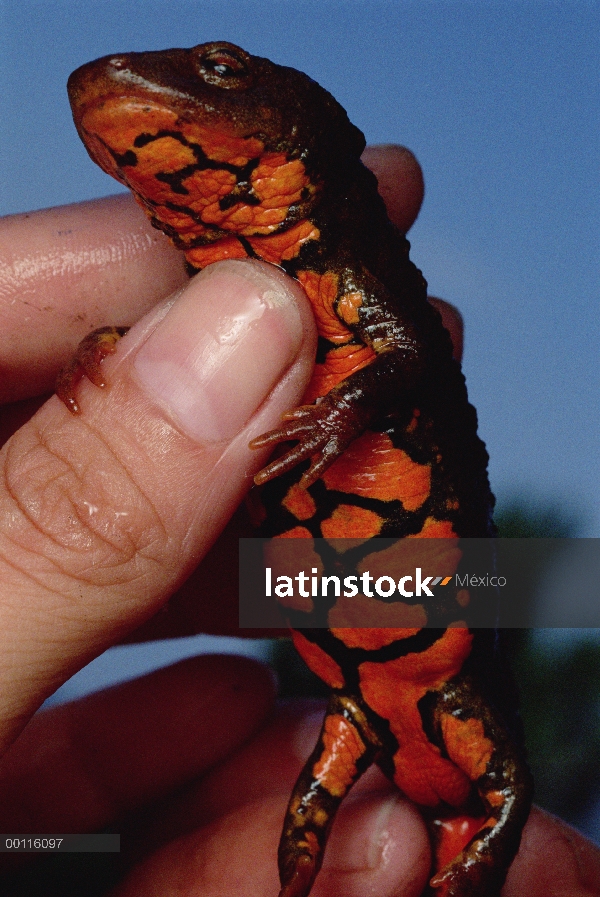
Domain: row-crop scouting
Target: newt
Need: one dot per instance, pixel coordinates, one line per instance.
(233, 156)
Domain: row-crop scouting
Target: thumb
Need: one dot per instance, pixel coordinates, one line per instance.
(103, 515)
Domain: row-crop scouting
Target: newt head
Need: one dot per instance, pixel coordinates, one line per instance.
(212, 140)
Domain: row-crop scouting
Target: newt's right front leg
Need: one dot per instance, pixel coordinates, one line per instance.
(347, 746)
(86, 363)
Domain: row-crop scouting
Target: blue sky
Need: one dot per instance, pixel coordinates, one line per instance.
(500, 103)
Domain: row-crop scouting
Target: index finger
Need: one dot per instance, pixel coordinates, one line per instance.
(66, 271)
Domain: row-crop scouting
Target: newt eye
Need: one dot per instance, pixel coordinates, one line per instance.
(223, 65)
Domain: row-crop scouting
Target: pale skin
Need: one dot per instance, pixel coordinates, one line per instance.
(103, 516)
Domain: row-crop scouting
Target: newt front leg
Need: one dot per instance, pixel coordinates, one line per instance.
(365, 325)
(86, 362)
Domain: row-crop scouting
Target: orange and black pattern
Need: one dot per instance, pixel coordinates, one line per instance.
(235, 157)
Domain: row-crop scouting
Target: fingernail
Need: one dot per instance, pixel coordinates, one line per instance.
(357, 853)
(381, 847)
(221, 349)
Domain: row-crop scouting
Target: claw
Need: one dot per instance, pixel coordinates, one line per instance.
(296, 429)
(299, 412)
(86, 363)
(281, 465)
(318, 466)
(323, 432)
(267, 439)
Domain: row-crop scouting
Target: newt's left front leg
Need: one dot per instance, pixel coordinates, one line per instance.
(346, 747)
(368, 317)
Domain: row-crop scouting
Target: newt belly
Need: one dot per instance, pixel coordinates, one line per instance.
(234, 157)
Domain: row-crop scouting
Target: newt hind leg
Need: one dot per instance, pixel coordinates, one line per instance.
(347, 746)
(475, 846)
(86, 362)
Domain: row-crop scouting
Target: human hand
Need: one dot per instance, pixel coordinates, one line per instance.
(86, 577)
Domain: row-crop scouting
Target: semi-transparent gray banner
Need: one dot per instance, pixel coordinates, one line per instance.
(414, 582)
